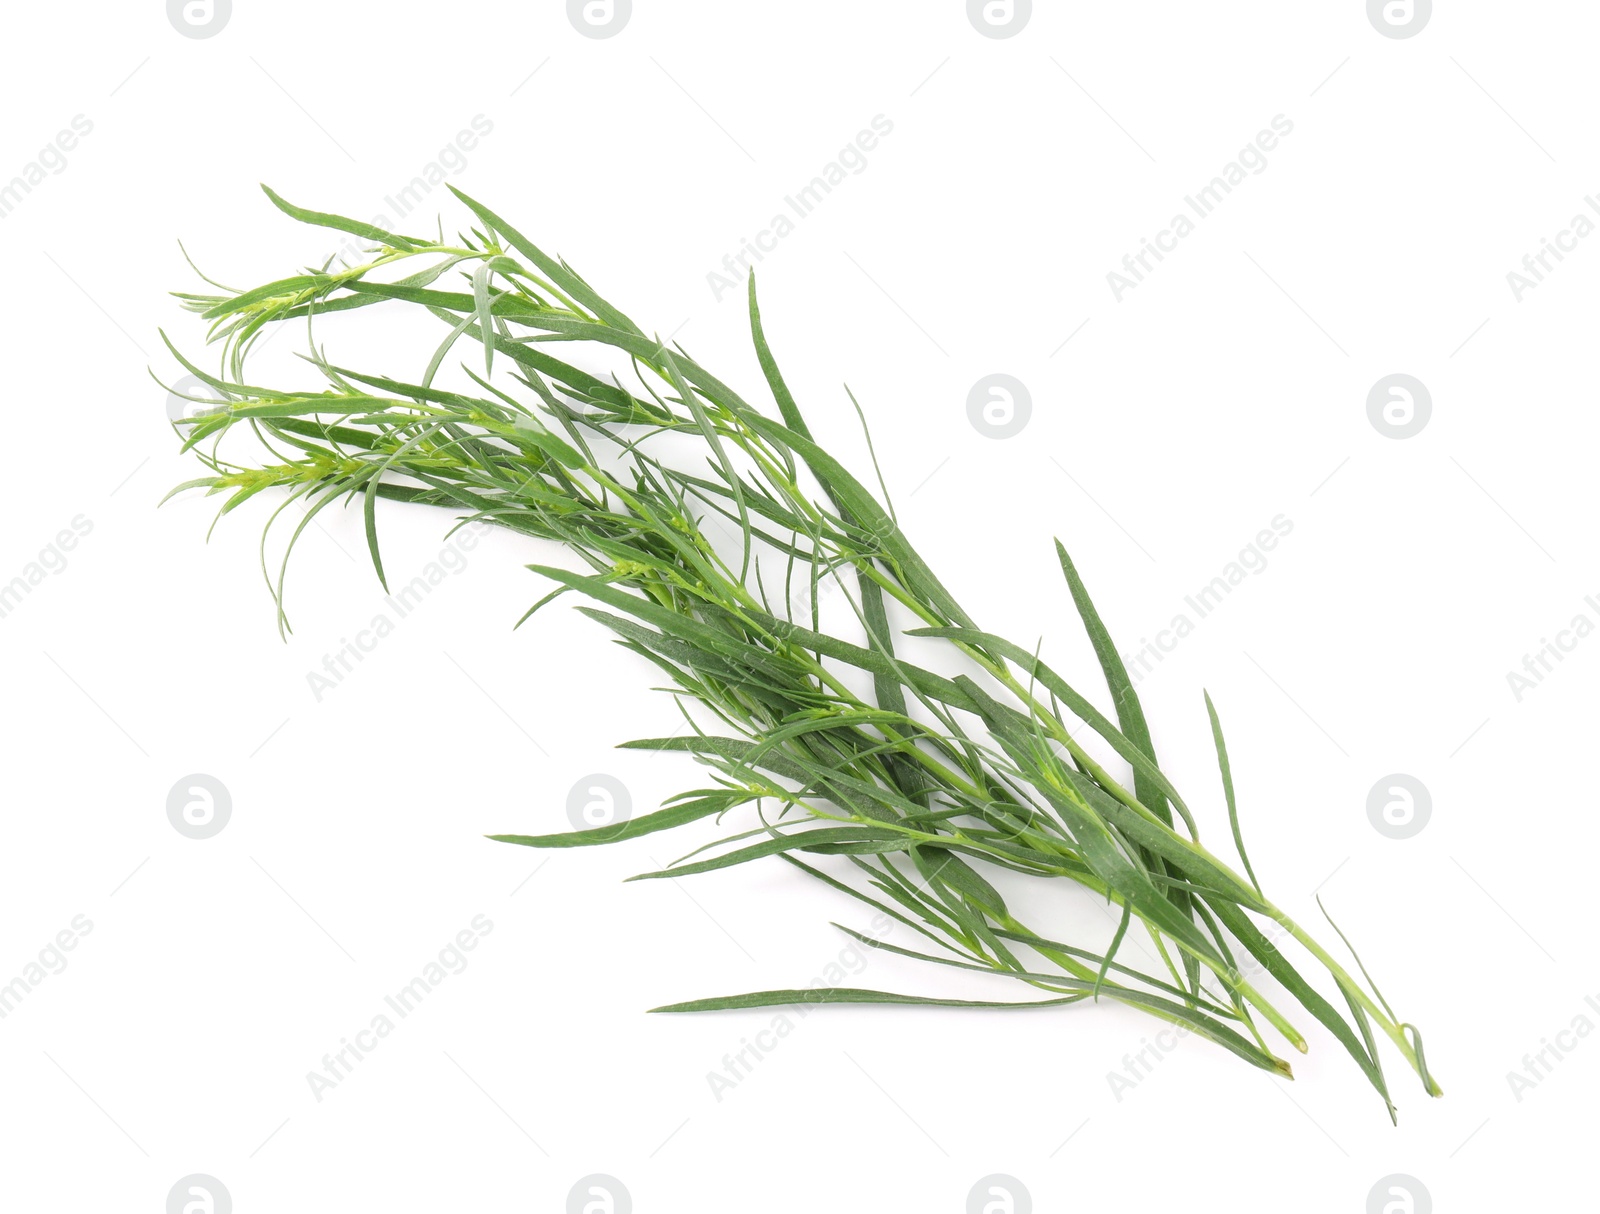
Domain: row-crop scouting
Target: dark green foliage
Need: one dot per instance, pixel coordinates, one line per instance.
(924, 790)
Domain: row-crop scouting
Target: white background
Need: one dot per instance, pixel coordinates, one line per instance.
(1229, 388)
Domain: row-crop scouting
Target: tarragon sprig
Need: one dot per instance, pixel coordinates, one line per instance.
(921, 788)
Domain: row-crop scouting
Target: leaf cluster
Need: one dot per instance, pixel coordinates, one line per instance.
(919, 792)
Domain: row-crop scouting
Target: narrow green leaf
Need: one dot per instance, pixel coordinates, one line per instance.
(1130, 713)
(1227, 789)
(1178, 1013)
(480, 295)
(841, 994)
(1276, 964)
(800, 840)
(964, 879)
(556, 271)
(370, 519)
(769, 368)
(1116, 941)
(341, 224)
(853, 496)
(1144, 767)
(647, 824)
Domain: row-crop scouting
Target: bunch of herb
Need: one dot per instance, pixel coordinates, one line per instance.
(907, 799)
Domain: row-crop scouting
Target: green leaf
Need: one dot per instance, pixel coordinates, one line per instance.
(557, 272)
(480, 295)
(341, 224)
(1116, 941)
(1178, 1013)
(1144, 767)
(963, 879)
(769, 368)
(1098, 845)
(1276, 964)
(842, 994)
(1151, 792)
(709, 432)
(648, 824)
(864, 509)
(801, 840)
(672, 622)
(1130, 713)
(1227, 789)
(370, 520)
